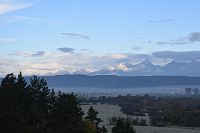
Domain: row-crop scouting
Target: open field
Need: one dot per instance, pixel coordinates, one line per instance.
(150, 129)
(161, 90)
(108, 111)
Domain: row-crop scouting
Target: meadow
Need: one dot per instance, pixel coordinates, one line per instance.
(107, 111)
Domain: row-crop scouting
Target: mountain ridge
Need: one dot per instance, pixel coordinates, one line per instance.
(114, 81)
(147, 68)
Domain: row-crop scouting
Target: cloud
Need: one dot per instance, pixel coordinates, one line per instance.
(119, 56)
(8, 19)
(191, 38)
(7, 40)
(29, 54)
(194, 37)
(161, 21)
(175, 42)
(51, 63)
(66, 50)
(8, 65)
(58, 62)
(11, 7)
(75, 35)
(38, 54)
(86, 49)
(136, 48)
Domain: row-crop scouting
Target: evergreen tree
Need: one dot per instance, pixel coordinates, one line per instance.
(88, 127)
(34, 108)
(67, 114)
(123, 126)
(12, 104)
(40, 106)
(103, 129)
(92, 116)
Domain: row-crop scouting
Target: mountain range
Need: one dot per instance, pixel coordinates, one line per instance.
(147, 68)
(127, 75)
(113, 81)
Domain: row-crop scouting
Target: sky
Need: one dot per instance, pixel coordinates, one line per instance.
(56, 37)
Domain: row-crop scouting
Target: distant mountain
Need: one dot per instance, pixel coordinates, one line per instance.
(145, 74)
(112, 81)
(129, 76)
(146, 68)
(179, 68)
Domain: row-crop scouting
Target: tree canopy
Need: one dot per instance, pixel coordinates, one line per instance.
(31, 107)
(123, 126)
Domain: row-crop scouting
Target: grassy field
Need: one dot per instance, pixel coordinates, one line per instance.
(108, 111)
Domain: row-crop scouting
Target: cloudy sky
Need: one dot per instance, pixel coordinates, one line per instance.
(55, 37)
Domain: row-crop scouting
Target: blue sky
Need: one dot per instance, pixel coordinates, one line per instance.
(96, 28)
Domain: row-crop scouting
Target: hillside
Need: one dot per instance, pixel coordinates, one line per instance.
(112, 81)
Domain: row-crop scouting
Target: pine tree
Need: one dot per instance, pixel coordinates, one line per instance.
(40, 94)
(34, 108)
(12, 102)
(123, 126)
(103, 129)
(92, 116)
(67, 114)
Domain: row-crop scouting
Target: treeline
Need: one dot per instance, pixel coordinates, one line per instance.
(177, 111)
(163, 111)
(132, 121)
(34, 108)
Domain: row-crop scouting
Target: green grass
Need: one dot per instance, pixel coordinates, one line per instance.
(108, 111)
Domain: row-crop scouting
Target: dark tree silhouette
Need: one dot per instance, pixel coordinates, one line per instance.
(34, 108)
(103, 129)
(67, 114)
(123, 126)
(92, 116)
(13, 107)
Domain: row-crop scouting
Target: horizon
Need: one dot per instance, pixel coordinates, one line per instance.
(99, 66)
(40, 37)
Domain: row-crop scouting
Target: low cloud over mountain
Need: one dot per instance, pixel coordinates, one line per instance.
(73, 62)
(146, 68)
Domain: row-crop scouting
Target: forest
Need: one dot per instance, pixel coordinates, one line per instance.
(31, 107)
(181, 111)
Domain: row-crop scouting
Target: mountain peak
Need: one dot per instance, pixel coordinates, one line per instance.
(146, 63)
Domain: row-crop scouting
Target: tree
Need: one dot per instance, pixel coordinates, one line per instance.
(143, 122)
(92, 116)
(123, 126)
(40, 104)
(103, 129)
(13, 103)
(34, 108)
(89, 127)
(113, 120)
(67, 114)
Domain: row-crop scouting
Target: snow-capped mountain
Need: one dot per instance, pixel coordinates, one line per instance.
(147, 68)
